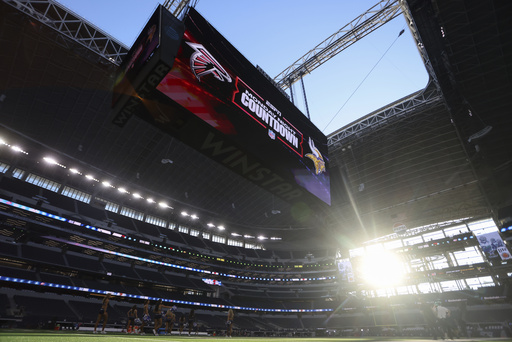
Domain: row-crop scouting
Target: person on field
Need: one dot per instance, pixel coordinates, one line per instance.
(157, 310)
(146, 319)
(102, 314)
(229, 323)
(191, 320)
(170, 318)
(182, 323)
(132, 315)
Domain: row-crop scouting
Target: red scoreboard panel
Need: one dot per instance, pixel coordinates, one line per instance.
(216, 101)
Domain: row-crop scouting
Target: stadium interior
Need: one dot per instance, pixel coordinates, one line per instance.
(88, 208)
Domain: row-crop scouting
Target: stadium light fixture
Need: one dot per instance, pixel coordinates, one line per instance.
(210, 225)
(184, 213)
(163, 205)
(150, 200)
(194, 217)
(221, 227)
(75, 171)
(13, 147)
(18, 149)
(261, 237)
(137, 195)
(50, 160)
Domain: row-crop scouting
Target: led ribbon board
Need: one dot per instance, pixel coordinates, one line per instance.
(42, 284)
(253, 128)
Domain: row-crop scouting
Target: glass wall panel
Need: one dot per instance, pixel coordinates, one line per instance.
(456, 230)
(469, 256)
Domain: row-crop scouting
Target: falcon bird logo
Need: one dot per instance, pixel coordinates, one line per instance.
(316, 157)
(202, 63)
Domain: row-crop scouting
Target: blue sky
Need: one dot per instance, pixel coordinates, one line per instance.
(275, 33)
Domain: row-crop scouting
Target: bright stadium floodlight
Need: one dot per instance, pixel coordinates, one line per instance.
(50, 160)
(221, 227)
(210, 225)
(382, 269)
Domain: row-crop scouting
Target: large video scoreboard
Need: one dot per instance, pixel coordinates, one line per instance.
(215, 100)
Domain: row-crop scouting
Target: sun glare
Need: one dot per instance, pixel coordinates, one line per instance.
(382, 269)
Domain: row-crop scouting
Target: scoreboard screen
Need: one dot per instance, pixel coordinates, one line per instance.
(187, 79)
(216, 83)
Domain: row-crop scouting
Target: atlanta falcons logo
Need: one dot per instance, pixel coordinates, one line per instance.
(202, 63)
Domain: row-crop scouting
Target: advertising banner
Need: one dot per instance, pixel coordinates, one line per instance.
(345, 270)
(493, 246)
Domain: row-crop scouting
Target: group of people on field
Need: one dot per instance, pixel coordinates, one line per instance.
(161, 316)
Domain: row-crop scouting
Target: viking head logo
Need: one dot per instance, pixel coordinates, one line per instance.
(316, 157)
(202, 63)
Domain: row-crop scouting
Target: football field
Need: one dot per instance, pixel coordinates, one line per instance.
(51, 336)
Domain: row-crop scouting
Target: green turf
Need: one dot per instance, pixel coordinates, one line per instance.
(77, 336)
(50, 336)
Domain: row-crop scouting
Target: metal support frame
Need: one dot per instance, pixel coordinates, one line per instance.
(177, 7)
(71, 25)
(358, 28)
(291, 94)
(427, 97)
(305, 98)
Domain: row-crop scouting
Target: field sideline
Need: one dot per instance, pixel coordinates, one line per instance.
(50, 336)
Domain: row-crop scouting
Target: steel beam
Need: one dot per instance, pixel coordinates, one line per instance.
(375, 17)
(71, 25)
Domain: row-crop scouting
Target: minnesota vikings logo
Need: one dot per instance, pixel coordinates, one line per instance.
(202, 63)
(316, 157)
